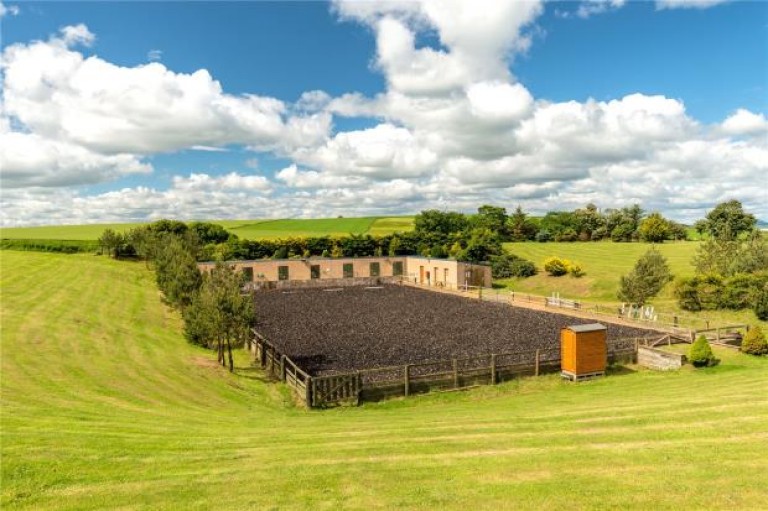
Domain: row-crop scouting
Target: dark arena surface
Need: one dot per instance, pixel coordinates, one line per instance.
(351, 328)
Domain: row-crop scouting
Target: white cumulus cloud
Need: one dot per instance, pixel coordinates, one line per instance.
(688, 4)
(744, 122)
(453, 129)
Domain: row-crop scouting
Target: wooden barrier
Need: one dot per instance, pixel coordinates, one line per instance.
(393, 381)
(669, 322)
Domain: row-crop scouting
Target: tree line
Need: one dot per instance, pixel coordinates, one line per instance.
(215, 312)
(731, 264)
(465, 237)
(731, 267)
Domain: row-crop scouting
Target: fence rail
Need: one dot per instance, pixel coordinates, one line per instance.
(680, 324)
(407, 379)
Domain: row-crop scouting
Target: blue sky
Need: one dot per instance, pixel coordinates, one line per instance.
(140, 110)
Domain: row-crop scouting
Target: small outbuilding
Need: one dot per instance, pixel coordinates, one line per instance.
(583, 351)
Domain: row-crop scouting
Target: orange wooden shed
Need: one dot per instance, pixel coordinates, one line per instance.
(583, 351)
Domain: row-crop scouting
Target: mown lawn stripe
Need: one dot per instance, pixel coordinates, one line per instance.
(116, 411)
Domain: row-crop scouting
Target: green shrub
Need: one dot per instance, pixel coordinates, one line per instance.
(438, 251)
(623, 232)
(574, 269)
(567, 235)
(711, 291)
(556, 266)
(754, 342)
(687, 294)
(509, 265)
(738, 291)
(522, 268)
(761, 304)
(700, 354)
(543, 236)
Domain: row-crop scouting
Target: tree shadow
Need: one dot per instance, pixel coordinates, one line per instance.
(619, 370)
(252, 373)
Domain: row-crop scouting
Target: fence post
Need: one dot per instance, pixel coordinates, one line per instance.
(455, 373)
(493, 369)
(407, 382)
(308, 391)
(537, 362)
(512, 296)
(637, 351)
(282, 368)
(359, 384)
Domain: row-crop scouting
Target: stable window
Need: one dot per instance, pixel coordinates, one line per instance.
(282, 273)
(397, 268)
(375, 269)
(314, 271)
(349, 270)
(247, 274)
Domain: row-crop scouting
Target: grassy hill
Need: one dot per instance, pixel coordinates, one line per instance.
(247, 229)
(105, 406)
(604, 262)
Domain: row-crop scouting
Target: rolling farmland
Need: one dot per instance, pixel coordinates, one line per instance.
(247, 229)
(105, 405)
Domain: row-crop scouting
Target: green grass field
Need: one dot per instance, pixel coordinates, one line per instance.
(271, 229)
(383, 226)
(62, 232)
(105, 406)
(604, 262)
(247, 229)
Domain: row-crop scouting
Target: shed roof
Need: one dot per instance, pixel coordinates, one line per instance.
(590, 327)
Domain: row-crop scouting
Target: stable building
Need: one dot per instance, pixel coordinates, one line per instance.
(321, 271)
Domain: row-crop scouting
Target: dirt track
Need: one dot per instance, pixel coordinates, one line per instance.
(360, 328)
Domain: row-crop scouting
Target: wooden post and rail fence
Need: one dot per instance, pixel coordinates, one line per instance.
(675, 323)
(408, 379)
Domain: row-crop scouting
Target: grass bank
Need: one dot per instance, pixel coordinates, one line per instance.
(604, 263)
(105, 406)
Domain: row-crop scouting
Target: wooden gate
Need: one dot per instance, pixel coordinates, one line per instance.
(336, 389)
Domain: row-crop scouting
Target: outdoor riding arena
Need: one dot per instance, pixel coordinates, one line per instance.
(368, 342)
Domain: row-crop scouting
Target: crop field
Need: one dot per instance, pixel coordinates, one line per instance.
(105, 406)
(247, 229)
(383, 226)
(63, 232)
(353, 328)
(271, 229)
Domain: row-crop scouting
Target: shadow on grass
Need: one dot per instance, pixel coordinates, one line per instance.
(252, 373)
(619, 370)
